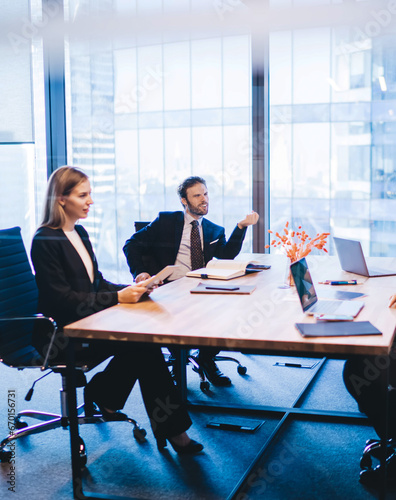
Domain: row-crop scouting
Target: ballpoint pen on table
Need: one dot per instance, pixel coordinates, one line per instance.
(341, 282)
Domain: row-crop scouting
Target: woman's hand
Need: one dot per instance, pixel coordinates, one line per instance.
(131, 294)
(149, 287)
(392, 300)
(141, 277)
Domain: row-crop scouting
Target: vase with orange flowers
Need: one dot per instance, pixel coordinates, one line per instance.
(296, 245)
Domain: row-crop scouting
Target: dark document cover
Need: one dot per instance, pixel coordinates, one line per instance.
(337, 329)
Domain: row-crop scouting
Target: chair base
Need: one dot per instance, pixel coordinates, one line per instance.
(242, 370)
(204, 382)
(53, 421)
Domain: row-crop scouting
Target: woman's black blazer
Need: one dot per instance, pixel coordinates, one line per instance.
(65, 291)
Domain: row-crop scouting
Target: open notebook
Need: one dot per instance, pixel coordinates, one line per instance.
(226, 269)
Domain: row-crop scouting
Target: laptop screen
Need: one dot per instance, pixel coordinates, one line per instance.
(351, 256)
(304, 284)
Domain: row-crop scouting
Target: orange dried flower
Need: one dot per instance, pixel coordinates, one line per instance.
(298, 244)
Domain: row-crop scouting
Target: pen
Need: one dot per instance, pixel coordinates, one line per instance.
(230, 288)
(294, 365)
(349, 282)
(228, 427)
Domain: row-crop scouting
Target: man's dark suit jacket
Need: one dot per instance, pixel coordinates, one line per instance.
(65, 290)
(156, 245)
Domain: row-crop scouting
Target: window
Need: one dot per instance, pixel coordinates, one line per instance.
(23, 168)
(142, 115)
(332, 111)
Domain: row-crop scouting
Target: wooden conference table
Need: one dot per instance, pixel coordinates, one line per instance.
(262, 322)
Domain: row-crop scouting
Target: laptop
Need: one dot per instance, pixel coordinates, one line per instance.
(309, 300)
(352, 259)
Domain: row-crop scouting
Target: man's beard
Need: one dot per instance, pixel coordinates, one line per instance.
(197, 210)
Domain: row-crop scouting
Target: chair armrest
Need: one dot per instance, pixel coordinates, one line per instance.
(53, 327)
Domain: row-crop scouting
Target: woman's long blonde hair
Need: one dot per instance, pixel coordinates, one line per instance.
(61, 183)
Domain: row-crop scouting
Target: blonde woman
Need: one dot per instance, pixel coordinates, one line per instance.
(71, 287)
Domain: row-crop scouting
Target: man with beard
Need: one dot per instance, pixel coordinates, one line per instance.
(189, 241)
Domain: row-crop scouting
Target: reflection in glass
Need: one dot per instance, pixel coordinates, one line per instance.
(143, 115)
(332, 134)
(23, 161)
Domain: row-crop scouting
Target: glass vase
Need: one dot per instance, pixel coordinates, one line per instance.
(288, 280)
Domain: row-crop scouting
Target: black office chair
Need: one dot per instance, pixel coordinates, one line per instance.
(18, 307)
(192, 357)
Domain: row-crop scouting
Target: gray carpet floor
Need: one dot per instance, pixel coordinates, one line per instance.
(310, 459)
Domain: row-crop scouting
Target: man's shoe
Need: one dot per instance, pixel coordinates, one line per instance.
(373, 477)
(212, 372)
(91, 408)
(375, 450)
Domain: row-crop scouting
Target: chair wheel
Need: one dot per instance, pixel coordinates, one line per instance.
(20, 424)
(204, 386)
(5, 455)
(83, 453)
(139, 434)
(242, 370)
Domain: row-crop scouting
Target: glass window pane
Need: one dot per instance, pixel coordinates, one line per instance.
(332, 161)
(142, 117)
(23, 162)
(311, 66)
(177, 75)
(126, 91)
(177, 156)
(16, 124)
(281, 68)
(150, 78)
(236, 71)
(206, 73)
(18, 199)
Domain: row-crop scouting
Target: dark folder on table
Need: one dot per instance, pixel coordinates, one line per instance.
(337, 329)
